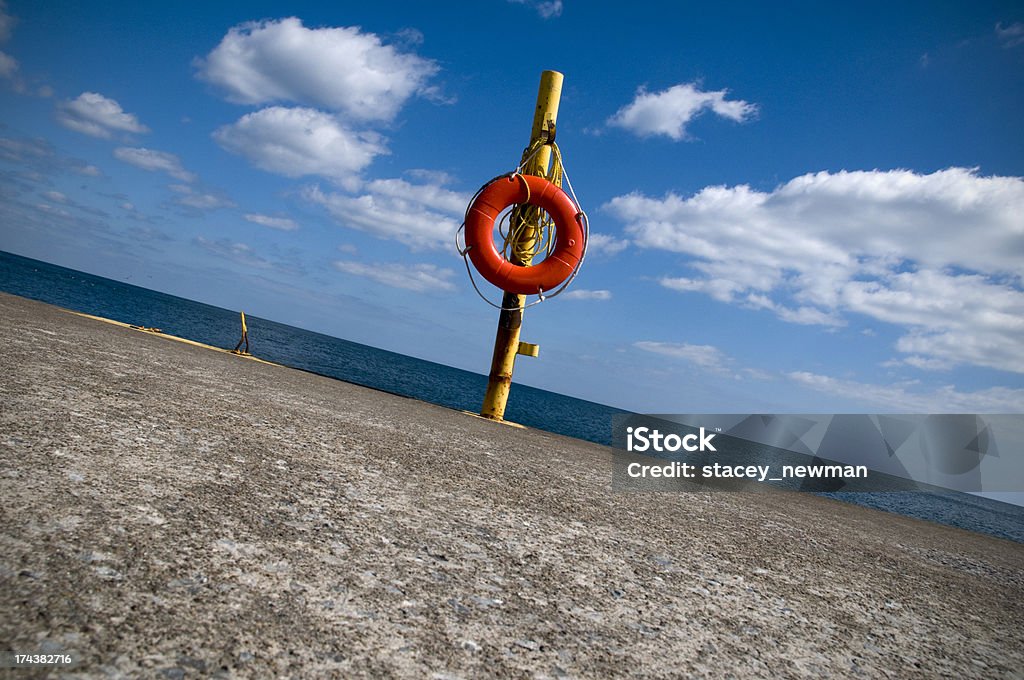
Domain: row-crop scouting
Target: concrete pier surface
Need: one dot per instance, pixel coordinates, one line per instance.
(173, 512)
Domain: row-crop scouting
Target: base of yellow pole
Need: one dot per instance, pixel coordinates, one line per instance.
(501, 421)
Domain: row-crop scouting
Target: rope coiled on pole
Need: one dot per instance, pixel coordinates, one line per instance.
(527, 230)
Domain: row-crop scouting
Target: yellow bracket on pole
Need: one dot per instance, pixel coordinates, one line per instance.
(528, 349)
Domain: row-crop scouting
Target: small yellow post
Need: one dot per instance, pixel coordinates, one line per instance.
(244, 340)
(510, 320)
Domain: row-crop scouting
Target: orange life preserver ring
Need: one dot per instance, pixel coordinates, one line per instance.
(508, 190)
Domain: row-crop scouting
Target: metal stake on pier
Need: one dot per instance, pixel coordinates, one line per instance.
(244, 341)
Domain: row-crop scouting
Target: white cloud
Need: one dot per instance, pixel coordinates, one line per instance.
(25, 151)
(580, 294)
(199, 200)
(927, 364)
(426, 176)
(953, 319)
(428, 196)
(39, 157)
(238, 252)
(416, 277)
(418, 215)
(546, 9)
(339, 69)
(549, 8)
(295, 142)
(154, 161)
(707, 357)
(608, 245)
(343, 80)
(412, 37)
(1012, 35)
(281, 223)
(93, 114)
(52, 210)
(8, 66)
(55, 197)
(938, 254)
(6, 23)
(903, 399)
(668, 112)
(805, 316)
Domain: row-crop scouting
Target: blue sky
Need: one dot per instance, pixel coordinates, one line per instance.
(808, 208)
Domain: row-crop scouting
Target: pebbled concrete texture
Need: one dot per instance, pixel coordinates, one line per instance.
(173, 512)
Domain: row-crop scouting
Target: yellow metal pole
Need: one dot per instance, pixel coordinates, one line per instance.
(510, 320)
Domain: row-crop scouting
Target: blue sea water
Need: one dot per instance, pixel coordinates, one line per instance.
(411, 377)
(310, 351)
